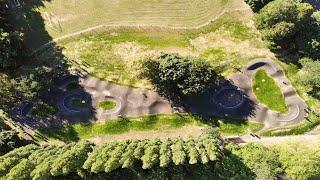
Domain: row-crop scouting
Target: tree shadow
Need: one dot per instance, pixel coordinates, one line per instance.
(223, 99)
(29, 20)
(66, 134)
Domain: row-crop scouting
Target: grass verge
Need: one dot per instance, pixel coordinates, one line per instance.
(144, 123)
(268, 92)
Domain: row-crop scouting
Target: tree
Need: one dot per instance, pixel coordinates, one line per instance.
(178, 152)
(151, 154)
(282, 24)
(114, 161)
(192, 151)
(165, 153)
(9, 140)
(256, 5)
(174, 76)
(309, 74)
(300, 161)
(10, 48)
(71, 160)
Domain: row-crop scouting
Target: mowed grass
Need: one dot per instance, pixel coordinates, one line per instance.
(268, 92)
(65, 17)
(145, 123)
(238, 127)
(113, 55)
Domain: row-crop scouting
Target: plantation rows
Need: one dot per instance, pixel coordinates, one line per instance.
(36, 162)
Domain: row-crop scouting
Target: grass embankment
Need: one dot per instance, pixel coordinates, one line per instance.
(268, 92)
(145, 123)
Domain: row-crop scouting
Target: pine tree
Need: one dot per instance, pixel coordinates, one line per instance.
(14, 157)
(151, 154)
(114, 161)
(178, 153)
(102, 157)
(92, 157)
(20, 171)
(192, 151)
(202, 151)
(42, 170)
(138, 152)
(165, 153)
(127, 160)
(71, 160)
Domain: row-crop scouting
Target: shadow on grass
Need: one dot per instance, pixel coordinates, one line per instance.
(66, 134)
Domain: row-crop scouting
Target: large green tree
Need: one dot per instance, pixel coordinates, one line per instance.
(309, 74)
(174, 75)
(283, 25)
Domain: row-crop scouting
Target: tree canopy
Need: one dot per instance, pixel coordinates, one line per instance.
(283, 25)
(174, 75)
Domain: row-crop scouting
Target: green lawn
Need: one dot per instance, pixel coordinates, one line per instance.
(268, 92)
(238, 127)
(107, 104)
(145, 123)
(114, 55)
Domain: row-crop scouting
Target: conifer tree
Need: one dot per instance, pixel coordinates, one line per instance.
(151, 154)
(178, 153)
(114, 161)
(71, 160)
(139, 151)
(165, 153)
(192, 151)
(127, 160)
(103, 156)
(21, 171)
(14, 157)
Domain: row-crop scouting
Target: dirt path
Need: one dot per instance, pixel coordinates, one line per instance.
(307, 139)
(184, 132)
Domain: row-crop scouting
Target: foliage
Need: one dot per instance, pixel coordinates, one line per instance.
(268, 92)
(256, 5)
(300, 161)
(310, 75)
(9, 140)
(253, 161)
(173, 75)
(282, 24)
(10, 47)
(36, 162)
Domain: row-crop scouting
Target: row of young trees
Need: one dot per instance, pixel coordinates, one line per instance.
(35, 162)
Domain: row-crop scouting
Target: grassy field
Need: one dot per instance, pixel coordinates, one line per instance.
(145, 123)
(268, 92)
(114, 54)
(65, 17)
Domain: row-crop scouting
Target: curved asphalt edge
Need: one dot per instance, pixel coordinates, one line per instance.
(271, 119)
